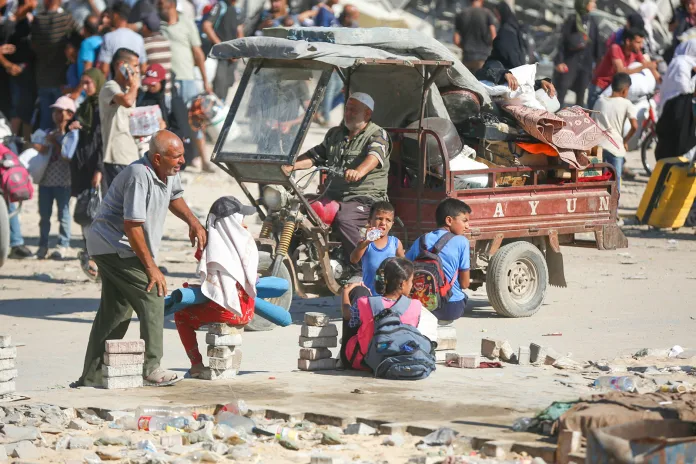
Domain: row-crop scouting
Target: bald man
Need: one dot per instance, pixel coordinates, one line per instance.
(123, 240)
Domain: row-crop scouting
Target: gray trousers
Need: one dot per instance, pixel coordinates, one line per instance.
(352, 216)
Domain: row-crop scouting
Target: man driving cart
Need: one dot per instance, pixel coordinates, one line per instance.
(361, 148)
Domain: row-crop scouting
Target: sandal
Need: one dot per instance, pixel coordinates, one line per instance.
(89, 267)
(161, 378)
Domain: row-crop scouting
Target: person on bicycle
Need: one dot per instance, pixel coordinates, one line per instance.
(361, 148)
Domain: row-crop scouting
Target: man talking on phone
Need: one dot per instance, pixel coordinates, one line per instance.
(115, 100)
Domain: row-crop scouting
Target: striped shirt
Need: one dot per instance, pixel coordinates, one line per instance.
(159, 51)
(49, 34)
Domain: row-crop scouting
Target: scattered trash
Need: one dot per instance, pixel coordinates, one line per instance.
(441, 437)
(623, 383)
(554, 334)
(360, 391)
(522, 424)
(675, 351)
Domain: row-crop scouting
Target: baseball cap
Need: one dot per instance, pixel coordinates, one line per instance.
(155, 73)
(227, 206)
(65, 103)
(363, 98)
(151, 19)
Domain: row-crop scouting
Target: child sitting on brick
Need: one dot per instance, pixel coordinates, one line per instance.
(452, 217)
(228, 273)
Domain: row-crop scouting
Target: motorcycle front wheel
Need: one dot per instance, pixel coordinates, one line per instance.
(259, 323)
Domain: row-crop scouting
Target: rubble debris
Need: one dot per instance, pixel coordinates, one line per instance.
(359, 428)
(506, 352)
(497, 449)
(466, 361)
(490, 348)
(394, 440)
(537, 354)
(441, 437)
(523, 356)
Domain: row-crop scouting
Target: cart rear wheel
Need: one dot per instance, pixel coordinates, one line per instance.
(259, 323)
(4, 231)
(517, 279)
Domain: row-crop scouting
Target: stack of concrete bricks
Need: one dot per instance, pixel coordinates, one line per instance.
(8, 371)
(316, 337)
(224, 354)
(446, 342)
(123, 364)
(533, 354)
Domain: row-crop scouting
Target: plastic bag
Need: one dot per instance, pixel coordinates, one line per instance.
(87, 206)
(69, 144)
(35, 162)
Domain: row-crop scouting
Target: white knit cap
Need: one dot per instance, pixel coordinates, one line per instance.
(363, 98)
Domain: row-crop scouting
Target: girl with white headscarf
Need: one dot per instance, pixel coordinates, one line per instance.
(679, 78)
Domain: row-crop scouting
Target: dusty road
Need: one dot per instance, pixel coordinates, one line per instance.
(615, 303)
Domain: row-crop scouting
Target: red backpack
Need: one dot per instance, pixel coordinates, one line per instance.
(430, 285)
(15, 182)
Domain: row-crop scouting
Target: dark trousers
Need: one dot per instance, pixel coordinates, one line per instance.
(576, 79)
(349, 332)
(224, 78)
(110, 173)
(350, 218)
(123, 291)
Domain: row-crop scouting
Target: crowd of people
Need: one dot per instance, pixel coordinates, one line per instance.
(83, 65)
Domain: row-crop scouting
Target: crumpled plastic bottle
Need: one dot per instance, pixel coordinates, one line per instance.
(522, 424)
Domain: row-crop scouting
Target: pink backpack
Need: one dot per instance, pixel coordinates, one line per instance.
(15, 182)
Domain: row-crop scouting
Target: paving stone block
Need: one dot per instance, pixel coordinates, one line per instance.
(523, 355)
(125, 346)
(111, 359)
(224, 329)
(497, 449)
(5, 341)
(544, 451)
(132, 381)
(7, 364)
(490, 348)
(230, 362)
(393, 428)
(317, 365)
(122, 371)
(320, 342)
(507, 354)
(464, 361)
(223, 340)
(7, 375)
(321, 459)
(441, 356)
(220, 351)
(537, 353)
(313, 354)
(8, 353)
(215, 374)
(551, 356)
(325, 419)
(7, 387)
(316, 319)
(444, 344)
(360, 429)
(286, 416)
(329, 330)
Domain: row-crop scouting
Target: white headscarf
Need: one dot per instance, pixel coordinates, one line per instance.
(677, 80)
(648, 11)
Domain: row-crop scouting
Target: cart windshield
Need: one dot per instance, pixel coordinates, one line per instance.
(271, 111)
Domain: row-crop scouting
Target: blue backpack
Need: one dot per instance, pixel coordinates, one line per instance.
(397, 351)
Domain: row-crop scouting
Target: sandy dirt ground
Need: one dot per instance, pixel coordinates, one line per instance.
(615, 304)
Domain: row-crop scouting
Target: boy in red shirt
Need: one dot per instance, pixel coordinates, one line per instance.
(617, 59)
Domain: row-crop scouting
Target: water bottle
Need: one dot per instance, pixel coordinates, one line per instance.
(171, 411)
(522, 424)
(235, 421)
(373, 234)
(285, 433)
(238, 407)
(150, 423)
(623, 383)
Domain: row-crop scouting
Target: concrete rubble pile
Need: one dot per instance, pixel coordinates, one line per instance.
(123, 364)
(8, 369)
(316, 337)
(48, 433)
(224, 354)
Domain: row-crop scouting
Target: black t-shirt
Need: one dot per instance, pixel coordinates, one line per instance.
(473, 26)
(20, 37)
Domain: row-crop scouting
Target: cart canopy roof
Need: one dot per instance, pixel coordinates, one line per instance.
(348, 47)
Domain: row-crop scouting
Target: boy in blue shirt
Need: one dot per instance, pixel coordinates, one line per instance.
(452, 215)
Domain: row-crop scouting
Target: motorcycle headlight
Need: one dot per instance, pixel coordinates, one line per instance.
(274, 197)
